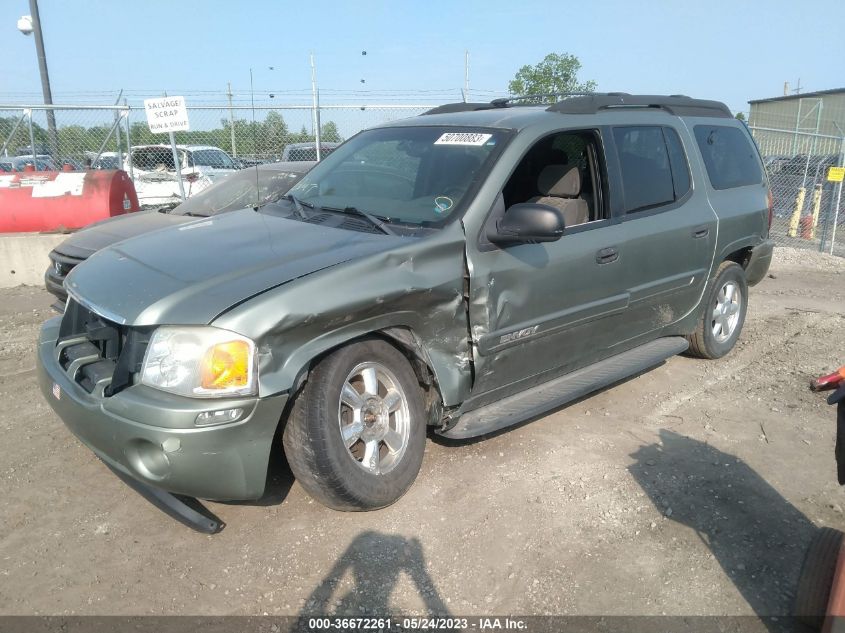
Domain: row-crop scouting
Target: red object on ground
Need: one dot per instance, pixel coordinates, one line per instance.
(807, 227)
(59, 200)
(834, 621)
(830, 381)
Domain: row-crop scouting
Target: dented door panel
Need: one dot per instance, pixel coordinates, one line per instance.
(541, 309)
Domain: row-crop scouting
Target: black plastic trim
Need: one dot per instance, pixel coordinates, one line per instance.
(197, 518)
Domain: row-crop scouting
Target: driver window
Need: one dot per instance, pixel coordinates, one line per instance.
(560, 170)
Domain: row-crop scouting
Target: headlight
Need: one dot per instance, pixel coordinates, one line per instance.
(203, 362)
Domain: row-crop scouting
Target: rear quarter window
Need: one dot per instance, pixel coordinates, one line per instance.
(729, 157)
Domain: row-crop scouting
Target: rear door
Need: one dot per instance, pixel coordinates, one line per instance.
(670, 227)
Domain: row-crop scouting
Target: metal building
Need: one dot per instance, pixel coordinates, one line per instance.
(821, 112)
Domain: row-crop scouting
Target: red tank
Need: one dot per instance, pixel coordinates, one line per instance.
(60, 200)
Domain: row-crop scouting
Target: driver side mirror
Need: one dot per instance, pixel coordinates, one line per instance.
(527, 223)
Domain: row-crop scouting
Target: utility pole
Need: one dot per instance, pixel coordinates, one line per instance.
(315, 95)
(232, 120)
(466, 76)
(45, 80)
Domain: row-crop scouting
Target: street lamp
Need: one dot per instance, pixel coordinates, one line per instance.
(29, 24)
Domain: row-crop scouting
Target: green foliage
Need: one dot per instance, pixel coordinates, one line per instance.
(740, 116)
(329, 133)
(262, 139)
(558, 72)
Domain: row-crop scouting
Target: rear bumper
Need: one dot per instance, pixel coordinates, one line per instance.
(758, 264)
(150, 435)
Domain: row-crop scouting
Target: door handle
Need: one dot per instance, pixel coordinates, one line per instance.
(607, 255)
(700, 231)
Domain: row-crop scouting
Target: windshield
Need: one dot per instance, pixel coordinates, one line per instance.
(238, 191)
(413, 175)
(212, 158)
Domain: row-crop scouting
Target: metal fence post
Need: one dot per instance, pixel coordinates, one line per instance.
(129, 146)
(838, 196)
(31, 137)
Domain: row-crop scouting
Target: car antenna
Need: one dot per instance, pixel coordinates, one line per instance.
(254, 140)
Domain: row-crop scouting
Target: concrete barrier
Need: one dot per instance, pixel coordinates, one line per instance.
(23, 257)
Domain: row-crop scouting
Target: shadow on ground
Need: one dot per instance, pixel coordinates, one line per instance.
(756, 535)
(362, 580)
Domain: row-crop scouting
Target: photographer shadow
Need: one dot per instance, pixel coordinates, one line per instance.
(756, 535)
(374, 561)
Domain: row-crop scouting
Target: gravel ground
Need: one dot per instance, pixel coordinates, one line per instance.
(691, 489)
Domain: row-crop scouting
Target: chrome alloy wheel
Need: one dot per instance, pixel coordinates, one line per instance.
(726, 311)
(374, 418)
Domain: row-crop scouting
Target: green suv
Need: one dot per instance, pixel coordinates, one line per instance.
(464, 270)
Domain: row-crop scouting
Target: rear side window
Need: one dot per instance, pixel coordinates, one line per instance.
(730, 158)
(646, 169)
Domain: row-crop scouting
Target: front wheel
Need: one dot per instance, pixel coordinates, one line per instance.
(725, 306)
(356, 433)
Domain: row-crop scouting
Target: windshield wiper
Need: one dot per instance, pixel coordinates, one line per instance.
(374, 219)
(297, 205)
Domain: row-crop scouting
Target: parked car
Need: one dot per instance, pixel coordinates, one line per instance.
(307, 151)
(775, 162)
(154, 171)
(19, 163)
(105, 160)
(255, 188)
(467, 270)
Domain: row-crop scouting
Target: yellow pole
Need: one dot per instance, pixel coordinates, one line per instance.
(817, 204)
(795, 220)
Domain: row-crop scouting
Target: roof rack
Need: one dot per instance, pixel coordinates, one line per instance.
(461, 106)
(679, 105)
(590, 103)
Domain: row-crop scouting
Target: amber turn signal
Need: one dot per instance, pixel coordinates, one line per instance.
(226, 366)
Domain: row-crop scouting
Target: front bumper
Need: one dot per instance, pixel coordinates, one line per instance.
(150, 435)
(758, 265)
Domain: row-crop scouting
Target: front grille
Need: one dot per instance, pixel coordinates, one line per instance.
(99, 355)
(62, 264)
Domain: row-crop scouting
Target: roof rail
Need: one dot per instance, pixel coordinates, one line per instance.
(502, 102)
(678, 105)
(461, 106)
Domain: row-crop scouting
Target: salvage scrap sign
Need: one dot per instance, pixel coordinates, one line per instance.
(166, 114)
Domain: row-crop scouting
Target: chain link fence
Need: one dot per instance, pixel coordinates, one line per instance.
(809, 211)
(808, 208)
(221, 139)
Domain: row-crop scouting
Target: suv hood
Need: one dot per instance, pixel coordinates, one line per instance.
(192, 273)
(84, 243)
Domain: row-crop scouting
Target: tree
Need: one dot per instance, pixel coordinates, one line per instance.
(555, 74)
(329, 133)
(740, 116)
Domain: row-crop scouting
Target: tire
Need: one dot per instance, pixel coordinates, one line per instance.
(816, 579)
(372, 473)
(714, 336)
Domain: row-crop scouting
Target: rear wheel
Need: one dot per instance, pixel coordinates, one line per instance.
(356, 434)
(724, 313)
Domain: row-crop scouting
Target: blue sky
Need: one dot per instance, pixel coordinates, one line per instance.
(731, 51)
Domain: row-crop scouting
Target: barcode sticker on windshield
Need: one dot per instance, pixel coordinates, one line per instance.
(463, 138)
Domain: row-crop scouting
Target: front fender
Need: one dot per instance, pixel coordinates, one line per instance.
(418, 286)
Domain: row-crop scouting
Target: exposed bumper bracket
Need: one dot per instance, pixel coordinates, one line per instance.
(197, 518)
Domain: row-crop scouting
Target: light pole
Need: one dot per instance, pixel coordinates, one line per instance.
(27, 25)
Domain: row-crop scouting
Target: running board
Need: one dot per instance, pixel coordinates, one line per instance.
(550, 395)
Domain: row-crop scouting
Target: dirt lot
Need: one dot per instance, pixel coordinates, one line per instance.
(692, 489)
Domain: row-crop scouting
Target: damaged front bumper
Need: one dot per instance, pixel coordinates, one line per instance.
(151, 436)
